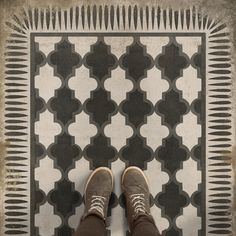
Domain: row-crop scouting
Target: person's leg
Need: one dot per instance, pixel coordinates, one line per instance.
(97, 194)
(92, 225)
(144, 225)
(135, 187)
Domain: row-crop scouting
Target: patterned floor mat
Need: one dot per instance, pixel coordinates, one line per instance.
(118, 86)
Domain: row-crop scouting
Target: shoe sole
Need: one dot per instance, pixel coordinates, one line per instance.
(94, 172)
(134, 168)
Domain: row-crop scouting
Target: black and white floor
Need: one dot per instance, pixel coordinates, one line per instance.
(118, 86)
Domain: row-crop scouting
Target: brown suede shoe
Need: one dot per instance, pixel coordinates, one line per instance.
(97, 193)
(135, 187)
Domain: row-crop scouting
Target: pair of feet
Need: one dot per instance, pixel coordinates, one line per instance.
(134, 186)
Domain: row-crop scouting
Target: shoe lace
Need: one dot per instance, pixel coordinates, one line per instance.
(138, 203)
(97, 203)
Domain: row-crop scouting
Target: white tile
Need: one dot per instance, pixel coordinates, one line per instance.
(47, 44)
(118, 85)
(82, 84)
(154, 44)
(82, 129)
(82, 44)
(118, 45)
(118, 131)
(189, 84)
(154, 131)
(46, 77)
(46, 174)
(46, 128)
(190, 185)
(189, 44)
(47, 220)
(154, 85)
(189, 222)
(189, 130)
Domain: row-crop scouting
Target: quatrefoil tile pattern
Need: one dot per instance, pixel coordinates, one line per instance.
(117, 85)
(114, 102)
